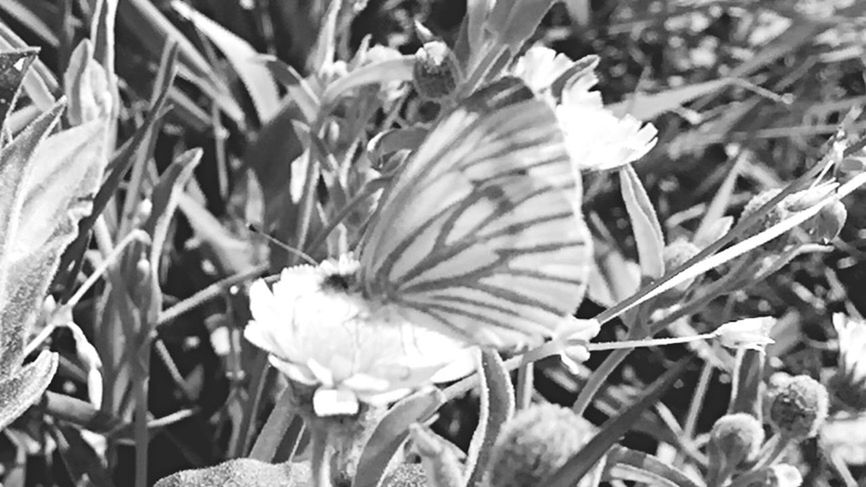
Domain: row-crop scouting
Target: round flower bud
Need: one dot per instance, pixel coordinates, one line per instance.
(736, 438)
(534, 444)
(407, 475)
(436, 71)
(799, 407)
(826, 225)
(676, 254)
(774, 216)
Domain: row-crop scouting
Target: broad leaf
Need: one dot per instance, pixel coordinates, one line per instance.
(25, 386)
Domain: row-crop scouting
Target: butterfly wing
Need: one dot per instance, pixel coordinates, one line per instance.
(477, 235)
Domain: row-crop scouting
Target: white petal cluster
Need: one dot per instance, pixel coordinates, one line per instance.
(595, 137)
(351, 349)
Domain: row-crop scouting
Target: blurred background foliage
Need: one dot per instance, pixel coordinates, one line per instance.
(807, 56)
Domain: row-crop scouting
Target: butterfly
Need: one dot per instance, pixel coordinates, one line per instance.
(479, 234)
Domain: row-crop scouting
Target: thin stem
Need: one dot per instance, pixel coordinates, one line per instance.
(652, 342)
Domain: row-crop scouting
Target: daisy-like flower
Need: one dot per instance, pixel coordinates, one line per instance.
(596, 138)
(321, 333)
(848, 384)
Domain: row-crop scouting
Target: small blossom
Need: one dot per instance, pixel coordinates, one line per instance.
(535, 444)
(596, 139)
(827, 224)
(747, 333)
(322, 333)
(799, 407)
(848, 383)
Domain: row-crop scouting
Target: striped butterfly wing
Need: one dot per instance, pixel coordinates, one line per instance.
(477, 235)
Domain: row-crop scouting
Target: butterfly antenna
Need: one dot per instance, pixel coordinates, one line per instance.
(288, 248)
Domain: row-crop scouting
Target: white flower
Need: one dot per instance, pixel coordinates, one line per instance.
(852, 346)
(320, 332)
(539, 67)
(595, 138)
(747, 333)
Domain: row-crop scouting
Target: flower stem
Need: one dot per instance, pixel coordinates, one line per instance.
(651, 342)
(318, 457)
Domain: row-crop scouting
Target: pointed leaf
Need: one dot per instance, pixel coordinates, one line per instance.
(25, 387)
(299, 90)
(497, 407)
(243, 58)
(39, 84)
(581, 463)
(392, 431)
(645, 225)
(144, 20)
(627, 464)
(81, 460)
(648, 107)
(13, 68)
(164, 198)
(399, 69)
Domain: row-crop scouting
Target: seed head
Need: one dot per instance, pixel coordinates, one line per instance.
(534, 444)
(799, 407)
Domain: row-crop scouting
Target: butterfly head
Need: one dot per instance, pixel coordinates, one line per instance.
(340, 275)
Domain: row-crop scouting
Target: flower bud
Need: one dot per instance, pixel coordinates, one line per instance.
(536, 443)
(436, 71)
(734, 439)
(773, 217)
(677, 254)
(826, 225)
(799, 407)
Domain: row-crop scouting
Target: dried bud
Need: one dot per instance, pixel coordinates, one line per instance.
(734, 439)
(535, 443)
(799, 407)
(436, 71)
